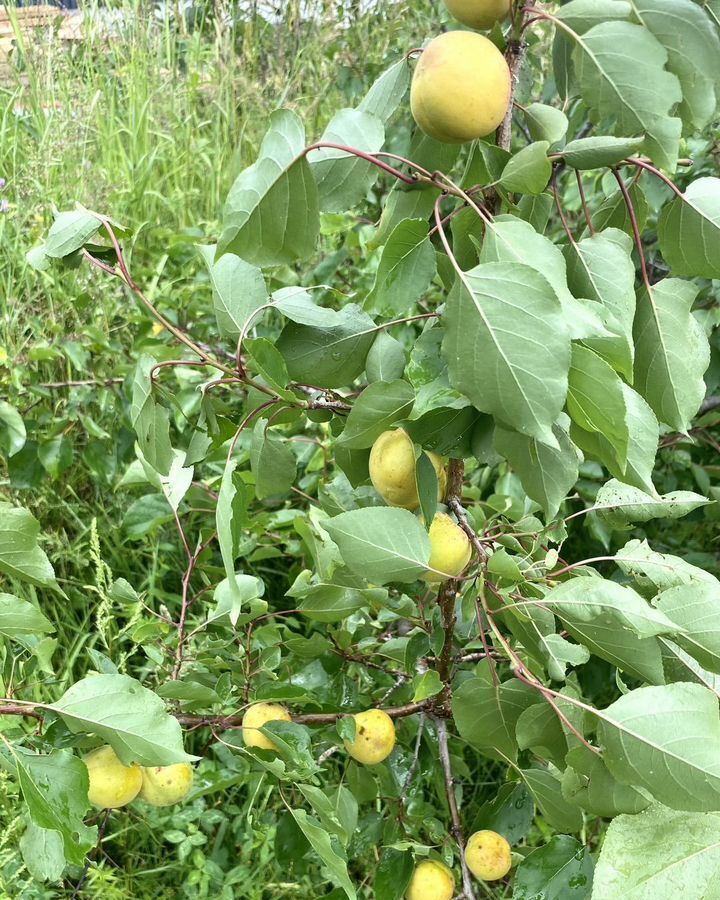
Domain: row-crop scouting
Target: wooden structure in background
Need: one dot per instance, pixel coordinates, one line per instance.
(31, 20)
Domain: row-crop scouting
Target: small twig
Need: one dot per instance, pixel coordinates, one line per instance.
(635, 228)
(442, 734)
(583, 200)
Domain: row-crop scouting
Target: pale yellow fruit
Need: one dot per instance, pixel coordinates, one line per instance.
(431, 881)
(255, 717)
(165, 785)
(460, 88)
(374, 737)
(392, 469)
(449, 549)
(488, 855)
(478, 13)
(111, 783)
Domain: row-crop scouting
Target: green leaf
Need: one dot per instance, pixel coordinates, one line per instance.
(509, 239)
(582, 15)
(56, 455)
(239, 290)
(547, 473)
(507, 348)
(393, 874)
(12, 434)
(271, 213)
(539, 729)
(332, 603)
(689, 230)
(375, 410)
(535, 210)
(619, 504)
(510, 812)
(427, 685)
(643, 435)
(560, 870)
(445, 430)
(330, 356)
(55, 789)
(381, 544)
(406, 269)
(70, 231)
(614, 213)
(696, 609)
(20, 617)
(344, 179)
(272, 462)
(547, 793)
(659, 854)
(588, 782)
(671, 352)
(229, 513)
(599, 152)
(327, 848)
(634, 90)
(545, 123)
(613, 622)
(386, 359)
(267, 361)
(666, 740)
(486, 713)
(693, 49)
(43, 852)
(387, 91)
(600, 268)
(596, 401)
(20, 555)
(150, 420)
(528, 171)
(654, 572)
(131, 718)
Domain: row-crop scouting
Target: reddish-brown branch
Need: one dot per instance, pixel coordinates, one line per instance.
(583, 200)
(635, 227)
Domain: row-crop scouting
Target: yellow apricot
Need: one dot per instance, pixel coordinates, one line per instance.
(449, 549)
(431, 880)
(374, 737)
(460, 88)
(165, 785)
(392, 469)
(255, 717)
(488, 855)
(111, 783)
(478, 13)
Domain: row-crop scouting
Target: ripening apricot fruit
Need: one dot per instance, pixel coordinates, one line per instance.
(449, 549)
(392, 469)
(165, 785)
(255, 717)
(478, 13)
(488, 855)
(431, 881)
(460, 88)
(111, 783)
(374, 737)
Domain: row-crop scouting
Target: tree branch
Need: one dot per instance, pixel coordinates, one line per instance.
(468, 891)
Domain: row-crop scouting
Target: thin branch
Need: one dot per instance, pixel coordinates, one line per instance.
(583, 200)
(635, 227)
(442, 733)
